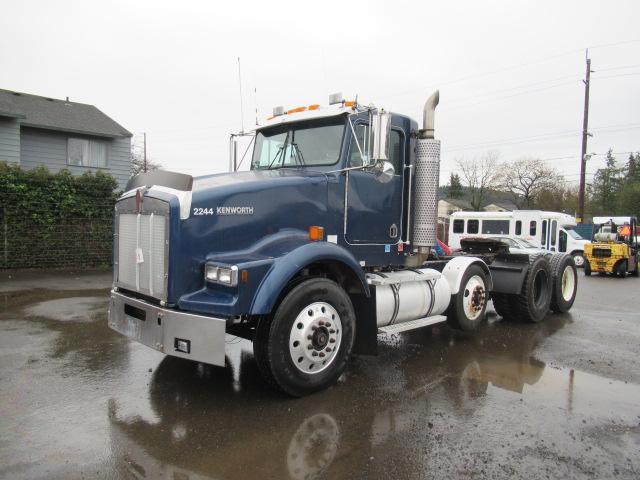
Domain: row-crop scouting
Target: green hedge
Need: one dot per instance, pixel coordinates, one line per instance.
(55, 220)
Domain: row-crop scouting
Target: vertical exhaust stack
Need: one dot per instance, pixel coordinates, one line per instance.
(427, 177)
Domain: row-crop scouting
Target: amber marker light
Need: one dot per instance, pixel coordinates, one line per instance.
(244, 276)
(313, 107)
(350, 104)
(316, 234)
(296, 110)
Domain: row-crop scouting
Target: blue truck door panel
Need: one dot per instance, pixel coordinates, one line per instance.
(374, 209)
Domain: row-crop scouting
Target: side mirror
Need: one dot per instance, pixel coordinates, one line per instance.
(380, 129)
(384, 171)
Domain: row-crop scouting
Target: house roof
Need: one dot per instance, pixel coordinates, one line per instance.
(458, 202)
(61, 115)
(505, 204)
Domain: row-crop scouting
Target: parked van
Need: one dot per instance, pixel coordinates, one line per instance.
(548, 230)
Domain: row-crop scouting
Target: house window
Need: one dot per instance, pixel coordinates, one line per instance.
(518, 227)
(533, 226)
(458, 226)
(473, 226)
(85, 152)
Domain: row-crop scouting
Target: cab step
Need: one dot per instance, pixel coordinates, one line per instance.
(412, 324)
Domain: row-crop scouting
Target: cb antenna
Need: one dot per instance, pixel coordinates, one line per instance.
(255, 100)
(241, 105)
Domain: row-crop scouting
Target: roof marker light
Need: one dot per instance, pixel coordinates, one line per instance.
(315, 106)
(336, 98)
(350, 103)
(296, 110)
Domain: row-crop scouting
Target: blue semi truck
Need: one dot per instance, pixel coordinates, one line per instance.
(325, 243)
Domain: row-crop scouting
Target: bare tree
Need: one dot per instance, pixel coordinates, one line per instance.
(526, 178)
(481, 175)
(140, 165)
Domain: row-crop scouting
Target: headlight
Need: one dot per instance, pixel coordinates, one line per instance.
(222, 275)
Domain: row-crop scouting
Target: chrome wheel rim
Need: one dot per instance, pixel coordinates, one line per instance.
(474, 297)
(315, 338)
(568, 283)
(578, 260)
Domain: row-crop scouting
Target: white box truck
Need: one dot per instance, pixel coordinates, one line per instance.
(548, 230)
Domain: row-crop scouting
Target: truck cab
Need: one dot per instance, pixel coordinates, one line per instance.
(323, 244)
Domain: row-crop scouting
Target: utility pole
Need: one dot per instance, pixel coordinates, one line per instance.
(585, 135)
(144, 161)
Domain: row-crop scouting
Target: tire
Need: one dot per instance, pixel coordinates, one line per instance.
(502, 303)
(622, 268)
(564, 283)
(532, 305)
(294, 348)
(579, 259)
(467, 308)
(635, 272)
(587, 268)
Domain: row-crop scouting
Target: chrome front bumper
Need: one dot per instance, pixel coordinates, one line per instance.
(179, 334)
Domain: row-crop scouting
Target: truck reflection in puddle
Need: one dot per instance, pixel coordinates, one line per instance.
(225, 423)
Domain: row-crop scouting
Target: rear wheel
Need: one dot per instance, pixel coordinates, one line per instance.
(635, 272)
(564, 279)
(468, 306)
(533, 302)
(305, 346)
(502, 303)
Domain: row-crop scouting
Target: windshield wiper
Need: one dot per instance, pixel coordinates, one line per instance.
(299, 157)
(281, 151)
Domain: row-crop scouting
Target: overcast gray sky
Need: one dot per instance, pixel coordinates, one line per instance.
(509, 73)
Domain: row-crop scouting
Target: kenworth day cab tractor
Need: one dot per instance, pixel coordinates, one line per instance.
(323, 244)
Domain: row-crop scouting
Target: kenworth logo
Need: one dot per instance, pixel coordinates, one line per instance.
(234, 210)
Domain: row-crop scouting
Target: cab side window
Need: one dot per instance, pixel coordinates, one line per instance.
(458, 226)
(396, 149)
(473, 226)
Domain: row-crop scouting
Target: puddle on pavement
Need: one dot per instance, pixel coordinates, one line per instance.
(402, 414)
(70, 309)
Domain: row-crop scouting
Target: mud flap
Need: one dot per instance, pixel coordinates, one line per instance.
(366, 324)
(508, 273)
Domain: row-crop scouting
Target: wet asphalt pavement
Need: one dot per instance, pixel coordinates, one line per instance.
(560, 399)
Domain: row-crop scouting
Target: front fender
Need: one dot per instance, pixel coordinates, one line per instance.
(284, 268)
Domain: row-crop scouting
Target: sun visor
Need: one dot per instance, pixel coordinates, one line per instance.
(178, 181)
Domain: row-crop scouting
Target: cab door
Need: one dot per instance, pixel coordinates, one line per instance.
(374, 209)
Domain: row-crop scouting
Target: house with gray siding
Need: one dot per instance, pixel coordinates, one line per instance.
(61, 134)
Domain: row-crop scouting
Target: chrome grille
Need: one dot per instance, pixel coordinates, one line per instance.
(142, 246)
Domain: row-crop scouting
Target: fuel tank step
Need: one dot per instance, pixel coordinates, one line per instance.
(412, 324)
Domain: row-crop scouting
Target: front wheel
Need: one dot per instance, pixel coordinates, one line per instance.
(578, 258)
(587, 269)
(468, 306)
(304, 347)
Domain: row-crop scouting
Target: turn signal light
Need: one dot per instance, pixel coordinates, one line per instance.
(316, 234)
(350, 103)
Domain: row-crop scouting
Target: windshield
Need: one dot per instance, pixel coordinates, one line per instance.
(299, 144)
(574, 234)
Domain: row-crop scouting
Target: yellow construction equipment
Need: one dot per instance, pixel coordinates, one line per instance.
(614, 248)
